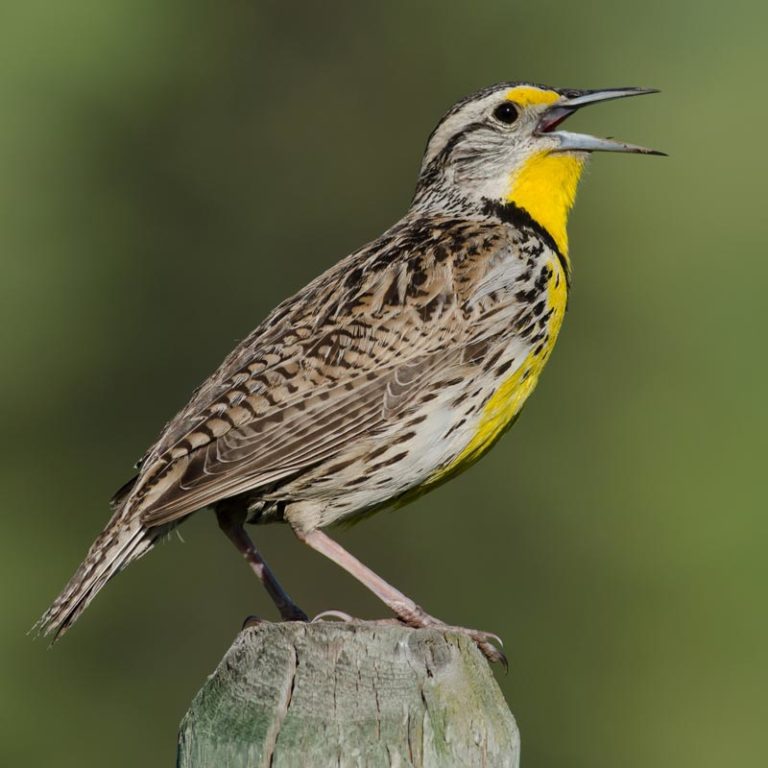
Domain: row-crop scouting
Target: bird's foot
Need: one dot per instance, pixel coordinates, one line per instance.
(290, 612)
(487, 642)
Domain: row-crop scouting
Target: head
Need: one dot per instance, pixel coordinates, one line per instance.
(500, 146)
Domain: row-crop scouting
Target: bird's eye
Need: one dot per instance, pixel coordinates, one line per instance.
(506, 112)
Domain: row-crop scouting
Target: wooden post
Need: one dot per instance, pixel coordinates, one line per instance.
(360, 694)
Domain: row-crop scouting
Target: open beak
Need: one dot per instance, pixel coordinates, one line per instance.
(582, 142)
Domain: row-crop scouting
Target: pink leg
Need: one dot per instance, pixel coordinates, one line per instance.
(232, 525)
(403, 607)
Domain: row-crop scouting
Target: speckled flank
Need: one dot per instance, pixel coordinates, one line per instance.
(548, 299)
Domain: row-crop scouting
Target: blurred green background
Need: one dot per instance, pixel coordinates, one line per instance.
(153, 149)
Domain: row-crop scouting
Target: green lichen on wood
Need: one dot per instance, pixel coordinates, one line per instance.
(360, 694)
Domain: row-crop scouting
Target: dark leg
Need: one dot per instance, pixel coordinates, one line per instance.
(402, 606)
(232, 523)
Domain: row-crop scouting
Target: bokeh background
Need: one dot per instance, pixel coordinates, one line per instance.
(151, 150)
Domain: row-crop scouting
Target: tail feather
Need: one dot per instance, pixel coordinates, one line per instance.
(121, 542)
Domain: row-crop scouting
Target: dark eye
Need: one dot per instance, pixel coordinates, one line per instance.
(506, 112)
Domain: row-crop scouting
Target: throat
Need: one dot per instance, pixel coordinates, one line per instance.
(545, 188)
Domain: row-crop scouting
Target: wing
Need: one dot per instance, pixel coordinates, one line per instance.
(284, 442)
(338, 362)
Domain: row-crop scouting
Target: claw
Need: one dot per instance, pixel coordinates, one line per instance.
(335, 614)
(251, 621)
(482, 639)
(492, 636)
(492, 653)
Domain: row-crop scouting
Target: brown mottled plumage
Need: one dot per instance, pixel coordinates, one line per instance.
(391, 371)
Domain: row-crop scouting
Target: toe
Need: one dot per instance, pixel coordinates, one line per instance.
(340, 615)
(492, 653)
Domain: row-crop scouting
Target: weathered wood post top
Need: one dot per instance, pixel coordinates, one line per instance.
(360, 694)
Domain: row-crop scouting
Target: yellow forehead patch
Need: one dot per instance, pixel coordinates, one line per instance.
(527, 95)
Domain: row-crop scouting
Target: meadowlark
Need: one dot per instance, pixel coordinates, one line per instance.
(391, 372)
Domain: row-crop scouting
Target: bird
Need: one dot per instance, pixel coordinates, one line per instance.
(390, 373)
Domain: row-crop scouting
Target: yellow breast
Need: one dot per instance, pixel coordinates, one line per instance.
(545, 187)
(507, 401)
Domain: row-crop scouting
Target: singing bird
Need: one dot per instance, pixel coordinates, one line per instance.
(389, 373)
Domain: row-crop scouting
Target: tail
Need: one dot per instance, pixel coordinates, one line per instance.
(120, 543)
